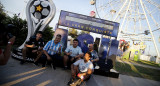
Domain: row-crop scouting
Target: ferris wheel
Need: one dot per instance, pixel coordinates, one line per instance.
(139, 19)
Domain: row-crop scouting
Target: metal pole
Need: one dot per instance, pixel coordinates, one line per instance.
(149, 28)
(120, 10)
(120, 29)
(139, 15)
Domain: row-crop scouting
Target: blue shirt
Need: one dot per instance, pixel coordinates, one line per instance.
(51, 48)
(94, 55)
(75, 51)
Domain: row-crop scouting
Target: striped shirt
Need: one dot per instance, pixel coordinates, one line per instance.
(51, 48)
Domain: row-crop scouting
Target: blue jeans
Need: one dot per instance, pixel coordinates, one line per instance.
(54, 58)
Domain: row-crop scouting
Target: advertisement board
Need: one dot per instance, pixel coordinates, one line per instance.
(88, 23)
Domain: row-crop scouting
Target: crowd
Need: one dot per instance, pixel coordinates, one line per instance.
(81, 64)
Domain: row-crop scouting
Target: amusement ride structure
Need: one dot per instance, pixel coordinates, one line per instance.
(139, 19)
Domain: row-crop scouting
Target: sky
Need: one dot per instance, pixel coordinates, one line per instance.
(76, 6)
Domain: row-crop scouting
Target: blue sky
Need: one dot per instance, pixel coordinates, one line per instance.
(76, 6)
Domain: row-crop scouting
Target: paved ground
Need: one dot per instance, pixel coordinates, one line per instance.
(30, 75)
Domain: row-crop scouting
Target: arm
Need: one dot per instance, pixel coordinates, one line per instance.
(41, 48)
(29, 43)
(60, 49)
(45, 50)
(89, 72)
(30, 46)
(80, 53)
(67, 50)
(4, 57)
(48, 57)
(96, 57)
(94, 60)
(79, 56)
(41, 45)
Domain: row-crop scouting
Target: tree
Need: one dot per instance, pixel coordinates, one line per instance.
(20, 30)
(3, 15)
(48, 34)
(84, 32)
(72, 32)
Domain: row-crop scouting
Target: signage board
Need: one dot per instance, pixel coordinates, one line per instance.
(88, 23)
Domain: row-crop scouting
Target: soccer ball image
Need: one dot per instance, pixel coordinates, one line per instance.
(40, 9)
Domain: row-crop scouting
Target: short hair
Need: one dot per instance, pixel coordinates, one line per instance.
(40, 32)
(76, 40)
(90, 55)
(58, 35)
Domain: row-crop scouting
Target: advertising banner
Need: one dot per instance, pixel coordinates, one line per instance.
(64, 34)
(114, 47)
(88, 23)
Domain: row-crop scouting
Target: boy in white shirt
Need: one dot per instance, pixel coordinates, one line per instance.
(82, 68)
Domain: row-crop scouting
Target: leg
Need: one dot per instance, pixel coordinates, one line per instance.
(74, 71)
(39, 55)
(44, 59)
(53, 62)
(86, 77)
(24, 51)
(77, 58)
(65, 60)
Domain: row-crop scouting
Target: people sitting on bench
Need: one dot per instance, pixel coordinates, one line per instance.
(33, 47)
(94, 54)
(72, 53)
(52, 51)
(81, 69)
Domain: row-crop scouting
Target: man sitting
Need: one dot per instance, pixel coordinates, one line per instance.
(82, 68)
(52, 51)
(73, 53)
(94, 54)
(34, 46)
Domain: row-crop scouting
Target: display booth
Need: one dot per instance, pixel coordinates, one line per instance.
(108, 46)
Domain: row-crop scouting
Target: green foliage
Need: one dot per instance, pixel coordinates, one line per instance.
(72, 32)
(149, 63)
(21, 29)
(84, 32)
(137, 71)
(48, 34)
(3, 15)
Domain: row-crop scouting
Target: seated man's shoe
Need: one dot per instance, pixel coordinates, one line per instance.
(65, 68)
(35, 63)
(53, 66)
(79, 81)
(22, 62)
(71, 81)
(43, 65)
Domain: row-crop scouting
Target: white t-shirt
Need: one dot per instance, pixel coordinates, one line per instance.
(75, 51)
(83, 67)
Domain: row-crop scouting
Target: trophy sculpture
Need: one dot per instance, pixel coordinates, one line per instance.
(39, 14)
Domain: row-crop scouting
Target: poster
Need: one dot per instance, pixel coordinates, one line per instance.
(64, 35)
